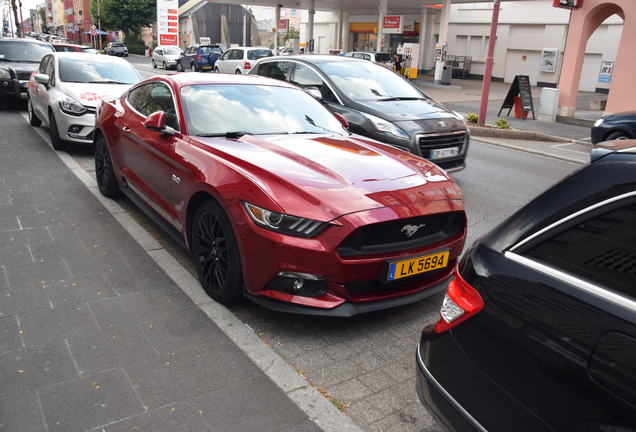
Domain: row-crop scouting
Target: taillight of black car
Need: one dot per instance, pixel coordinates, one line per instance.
(460, 303)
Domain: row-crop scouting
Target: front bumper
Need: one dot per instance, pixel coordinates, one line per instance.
(76, 129)
(14, 90)
(354, 284)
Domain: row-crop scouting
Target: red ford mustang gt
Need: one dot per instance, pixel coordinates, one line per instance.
(275, 199)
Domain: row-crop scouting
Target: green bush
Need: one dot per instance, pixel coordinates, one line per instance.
(137, 49)
(472, 118)
(502, 123)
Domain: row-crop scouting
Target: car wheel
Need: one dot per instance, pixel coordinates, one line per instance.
(56, 141)
(165, 66)
(154, 65)
(179, 67)
(33, 119)
(216, 69)
(238, 72)
(618, 135)
(215, 253)
(104, 172)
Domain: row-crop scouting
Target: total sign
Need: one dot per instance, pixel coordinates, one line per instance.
(168, 22)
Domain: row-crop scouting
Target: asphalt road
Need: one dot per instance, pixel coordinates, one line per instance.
(367, 363)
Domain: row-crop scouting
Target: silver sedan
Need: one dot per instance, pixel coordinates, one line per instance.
(66, 89)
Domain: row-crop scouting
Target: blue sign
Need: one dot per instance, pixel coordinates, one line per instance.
(607, 67)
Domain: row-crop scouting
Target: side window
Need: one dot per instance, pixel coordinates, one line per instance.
(600, 248)
(304, 76)
(227, 55)
(366, 57)
(278, 70)
(161, 100)
(138, 98)
(43, 64)
(50, 70)
(357, 55)
(238, 55)
(159, 52)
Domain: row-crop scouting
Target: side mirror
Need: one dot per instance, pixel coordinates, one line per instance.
(157, 122)
(342, 120)
(42, 78)
(314, 92)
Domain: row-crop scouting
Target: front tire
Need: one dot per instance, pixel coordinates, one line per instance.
(33, 119)
(104, 172)
(215, 253)
(216, 69)
(179, 67)
(56, 141)
(154, 65)
(165, 66)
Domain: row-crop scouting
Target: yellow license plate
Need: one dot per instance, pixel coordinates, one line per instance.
(421, 264)
(206, 67)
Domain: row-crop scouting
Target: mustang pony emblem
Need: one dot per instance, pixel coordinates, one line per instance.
(409, 230)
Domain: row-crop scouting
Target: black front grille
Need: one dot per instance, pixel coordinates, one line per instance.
(438, 141)
(393, 236)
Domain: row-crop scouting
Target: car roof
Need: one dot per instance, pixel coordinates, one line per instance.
(249, 48)
(195, 78)
(70, 45)
(318, 58)
(35, 41)
(85, 56)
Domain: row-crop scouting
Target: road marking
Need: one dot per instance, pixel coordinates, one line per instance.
(318, 408)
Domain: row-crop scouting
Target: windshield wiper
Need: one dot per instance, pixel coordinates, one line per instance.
(106, 82)
(234, 134)
(400, 98)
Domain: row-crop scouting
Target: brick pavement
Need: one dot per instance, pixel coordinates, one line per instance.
(93, 334)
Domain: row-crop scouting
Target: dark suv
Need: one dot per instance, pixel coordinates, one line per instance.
(377, 103)
(18, 59)
(199, 57)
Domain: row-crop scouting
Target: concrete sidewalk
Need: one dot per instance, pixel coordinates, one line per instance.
(93, 334)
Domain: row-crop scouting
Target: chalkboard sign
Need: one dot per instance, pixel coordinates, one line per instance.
(519, 87)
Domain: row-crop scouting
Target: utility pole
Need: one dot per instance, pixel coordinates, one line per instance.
(99, 26)
(21, 20)
(15, 18)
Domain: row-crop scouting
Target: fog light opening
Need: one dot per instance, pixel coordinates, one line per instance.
(300, 284)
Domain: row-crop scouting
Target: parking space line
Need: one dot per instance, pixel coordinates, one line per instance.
(318, 408)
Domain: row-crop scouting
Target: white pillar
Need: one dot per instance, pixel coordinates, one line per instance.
(382, 8)
(276, 27)
(244, 27)
(443, 37)
(422, 39)
(429, 41)
(310, 32)
(340, 45)
(345, 33)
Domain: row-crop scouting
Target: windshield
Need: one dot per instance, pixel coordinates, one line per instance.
(256, 54)
(382, 57)
(23, 51)
(211, 49)
(94, 70)
(364, 81)
(171, 51)
(254, 109)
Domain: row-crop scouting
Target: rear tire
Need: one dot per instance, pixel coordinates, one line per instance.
(216, 69)
(56, 141)
(238, 72)
(618, 135)
(104, 172)
(33, 119)
(215, 253)
(154, 65)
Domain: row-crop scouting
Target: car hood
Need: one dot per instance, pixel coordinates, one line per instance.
(90, 94)
(323, 177)
(22, 69)
(421, 109)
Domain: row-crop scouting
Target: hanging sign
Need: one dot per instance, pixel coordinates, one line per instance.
(568, 4)
(520, 87)
(607, 67)
(283, 25)
(168, 22)
(393, 24)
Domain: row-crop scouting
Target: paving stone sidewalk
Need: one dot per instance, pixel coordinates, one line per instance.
(93, 335)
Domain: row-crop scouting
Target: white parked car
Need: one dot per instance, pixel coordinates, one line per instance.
(383, 59)
(166, 56)
(67, 87)
(240, 60)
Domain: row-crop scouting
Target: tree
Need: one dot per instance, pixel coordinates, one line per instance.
(18, 27)
(126, 15)
(292, 33)
(42, 13)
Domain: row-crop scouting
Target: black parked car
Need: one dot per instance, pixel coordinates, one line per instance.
(538, 328)
(615, 127)
(18, 59)
(377, 103)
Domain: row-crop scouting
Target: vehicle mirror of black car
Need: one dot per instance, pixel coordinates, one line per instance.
(42, 78)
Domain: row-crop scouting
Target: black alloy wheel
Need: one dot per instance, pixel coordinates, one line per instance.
(57, 142)
(618, 135)
(215, 253)
(33, 119)
(104, 172)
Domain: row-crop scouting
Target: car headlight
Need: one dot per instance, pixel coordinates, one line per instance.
(386, 126)
(5, 74)
(284, 223)
(598, 122)
(71, 106)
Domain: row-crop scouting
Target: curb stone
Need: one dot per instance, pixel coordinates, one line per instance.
(527, 150)
(318, 408)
